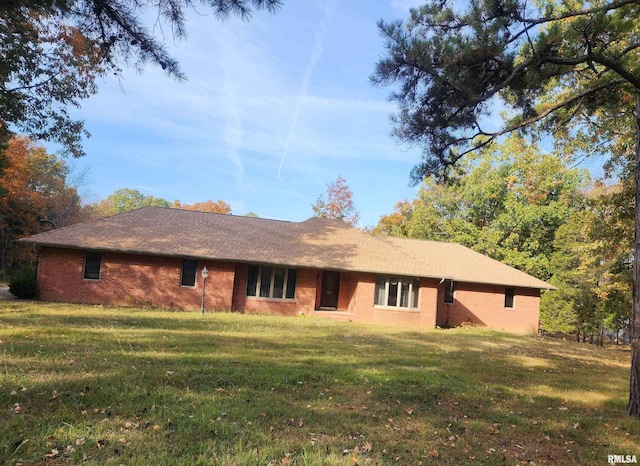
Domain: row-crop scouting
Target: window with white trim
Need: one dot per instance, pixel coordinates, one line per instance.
(266, 281)
(393, 291)
(449, 291)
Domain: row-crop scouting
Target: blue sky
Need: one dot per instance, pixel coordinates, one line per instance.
(273, 110)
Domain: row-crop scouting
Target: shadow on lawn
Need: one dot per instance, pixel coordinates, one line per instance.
(495, 393)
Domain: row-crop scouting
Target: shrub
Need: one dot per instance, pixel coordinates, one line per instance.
(23, 284)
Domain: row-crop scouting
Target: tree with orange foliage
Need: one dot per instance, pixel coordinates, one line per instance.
(339, 203)
(124, 200)
(397, 222)
(37, 199)
(217, 207)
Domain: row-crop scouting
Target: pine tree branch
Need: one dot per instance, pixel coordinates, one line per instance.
(573, 14)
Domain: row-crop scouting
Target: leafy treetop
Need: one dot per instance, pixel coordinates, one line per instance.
(217, 207)
(338, 204)
(52, 51)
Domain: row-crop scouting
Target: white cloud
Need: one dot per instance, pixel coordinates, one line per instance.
(282, 94)
(304, 90)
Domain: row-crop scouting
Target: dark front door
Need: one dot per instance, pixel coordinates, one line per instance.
(330, 288)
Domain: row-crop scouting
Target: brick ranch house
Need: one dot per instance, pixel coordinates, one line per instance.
(319, 267)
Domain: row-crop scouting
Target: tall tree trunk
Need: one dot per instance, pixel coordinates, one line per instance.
(3, 255)
(634, 385)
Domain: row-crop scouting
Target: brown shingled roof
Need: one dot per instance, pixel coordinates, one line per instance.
(314, 243)
(459, 263)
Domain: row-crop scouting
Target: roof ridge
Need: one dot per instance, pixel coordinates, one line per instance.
(406, 238)
(181, 209)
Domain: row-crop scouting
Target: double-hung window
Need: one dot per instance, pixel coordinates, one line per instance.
(92, 265)
(266, 281)
(392, 291)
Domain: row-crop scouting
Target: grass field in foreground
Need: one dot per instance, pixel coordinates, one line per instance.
(96, 385)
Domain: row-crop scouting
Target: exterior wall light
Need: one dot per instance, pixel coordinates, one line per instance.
(205, 274)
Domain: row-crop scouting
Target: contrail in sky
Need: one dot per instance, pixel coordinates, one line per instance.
(304, 86)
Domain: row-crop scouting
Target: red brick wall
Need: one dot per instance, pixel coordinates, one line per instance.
(483, 305)
(135, 280)
(357, 292)
(422, 318)
(131, 280)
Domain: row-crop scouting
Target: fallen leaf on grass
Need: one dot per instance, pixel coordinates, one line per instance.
(367, 447)
(54, 453)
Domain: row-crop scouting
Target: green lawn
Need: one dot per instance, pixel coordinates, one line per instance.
(94, 385)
